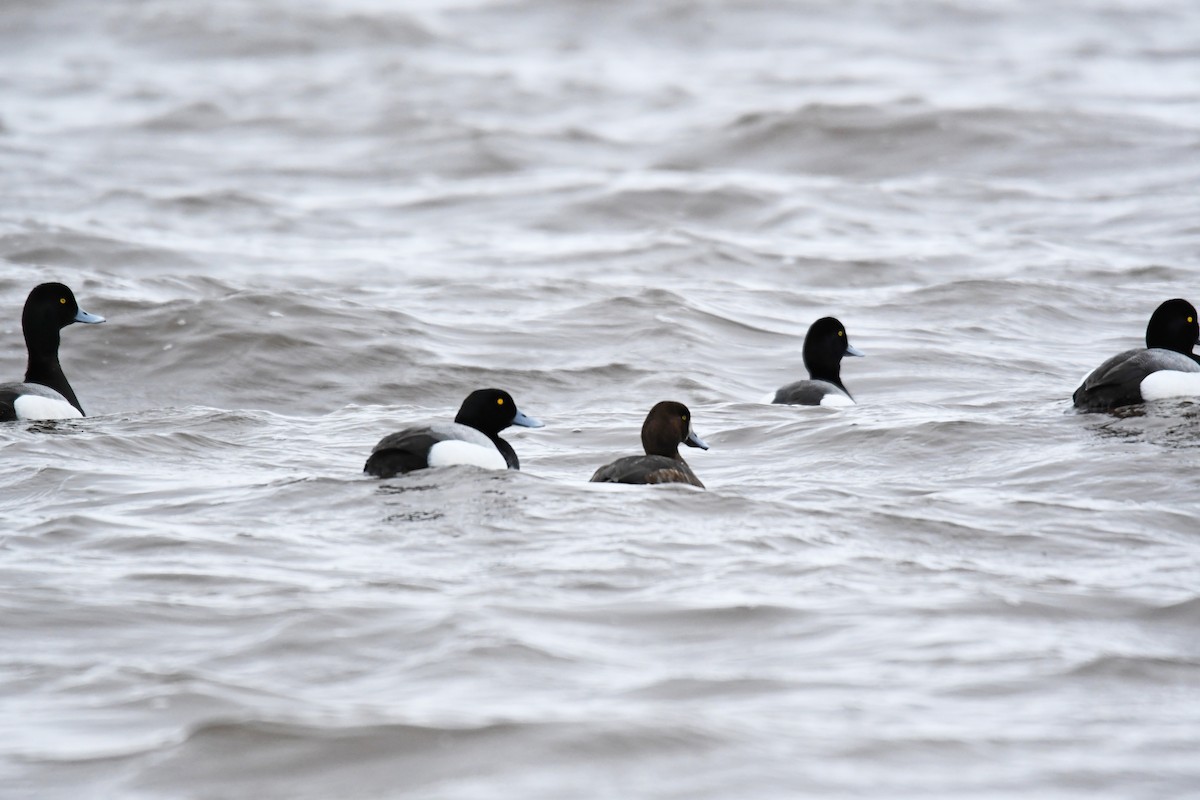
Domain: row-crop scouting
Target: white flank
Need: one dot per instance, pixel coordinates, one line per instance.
(836, 400)
(1168, 383)
(32, 406)
(456, 451)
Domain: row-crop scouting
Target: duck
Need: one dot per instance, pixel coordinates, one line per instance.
(1165, 368)
(473, 438)
(668, 425)
(45, 392)
(824, 346)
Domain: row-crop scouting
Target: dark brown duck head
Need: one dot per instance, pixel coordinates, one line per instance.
(668, 425)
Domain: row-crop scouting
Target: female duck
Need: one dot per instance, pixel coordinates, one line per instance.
(473, 438)
(1165, 368)
(667, 426)
(45, 394)
(824, 345)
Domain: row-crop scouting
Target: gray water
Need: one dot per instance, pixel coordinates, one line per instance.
(310, 224)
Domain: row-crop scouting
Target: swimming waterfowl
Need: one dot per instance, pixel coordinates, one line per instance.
(473, 438)
(824, 345)
(668, 425)
(45, 392)
(1165, 368)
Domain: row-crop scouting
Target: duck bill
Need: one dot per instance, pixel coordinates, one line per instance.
(851, 350)
(693, 440)
(526, 421)
(89, 319)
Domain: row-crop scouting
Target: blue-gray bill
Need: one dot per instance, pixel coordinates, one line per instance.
(526, 421)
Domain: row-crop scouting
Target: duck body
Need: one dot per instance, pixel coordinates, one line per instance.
(813, 393)
(436, 445)
(647, 470)
(33, 401)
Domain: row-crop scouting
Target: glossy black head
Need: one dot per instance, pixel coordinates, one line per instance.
(1174, 326)
(667, 426)
(824, 345)
(49, 308)
(491, 411)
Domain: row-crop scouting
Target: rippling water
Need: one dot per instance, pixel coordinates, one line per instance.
(310, 224)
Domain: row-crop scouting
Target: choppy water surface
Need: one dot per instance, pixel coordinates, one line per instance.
(309, 224)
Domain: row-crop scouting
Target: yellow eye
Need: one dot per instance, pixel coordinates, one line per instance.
(499, 401)
(841, 333)
(63, 300)
(1189, 319)
(685, 417)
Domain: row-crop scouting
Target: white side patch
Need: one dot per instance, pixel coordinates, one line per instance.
(1168, 383)
(32, 406)
(836, 400)
(456, 451)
